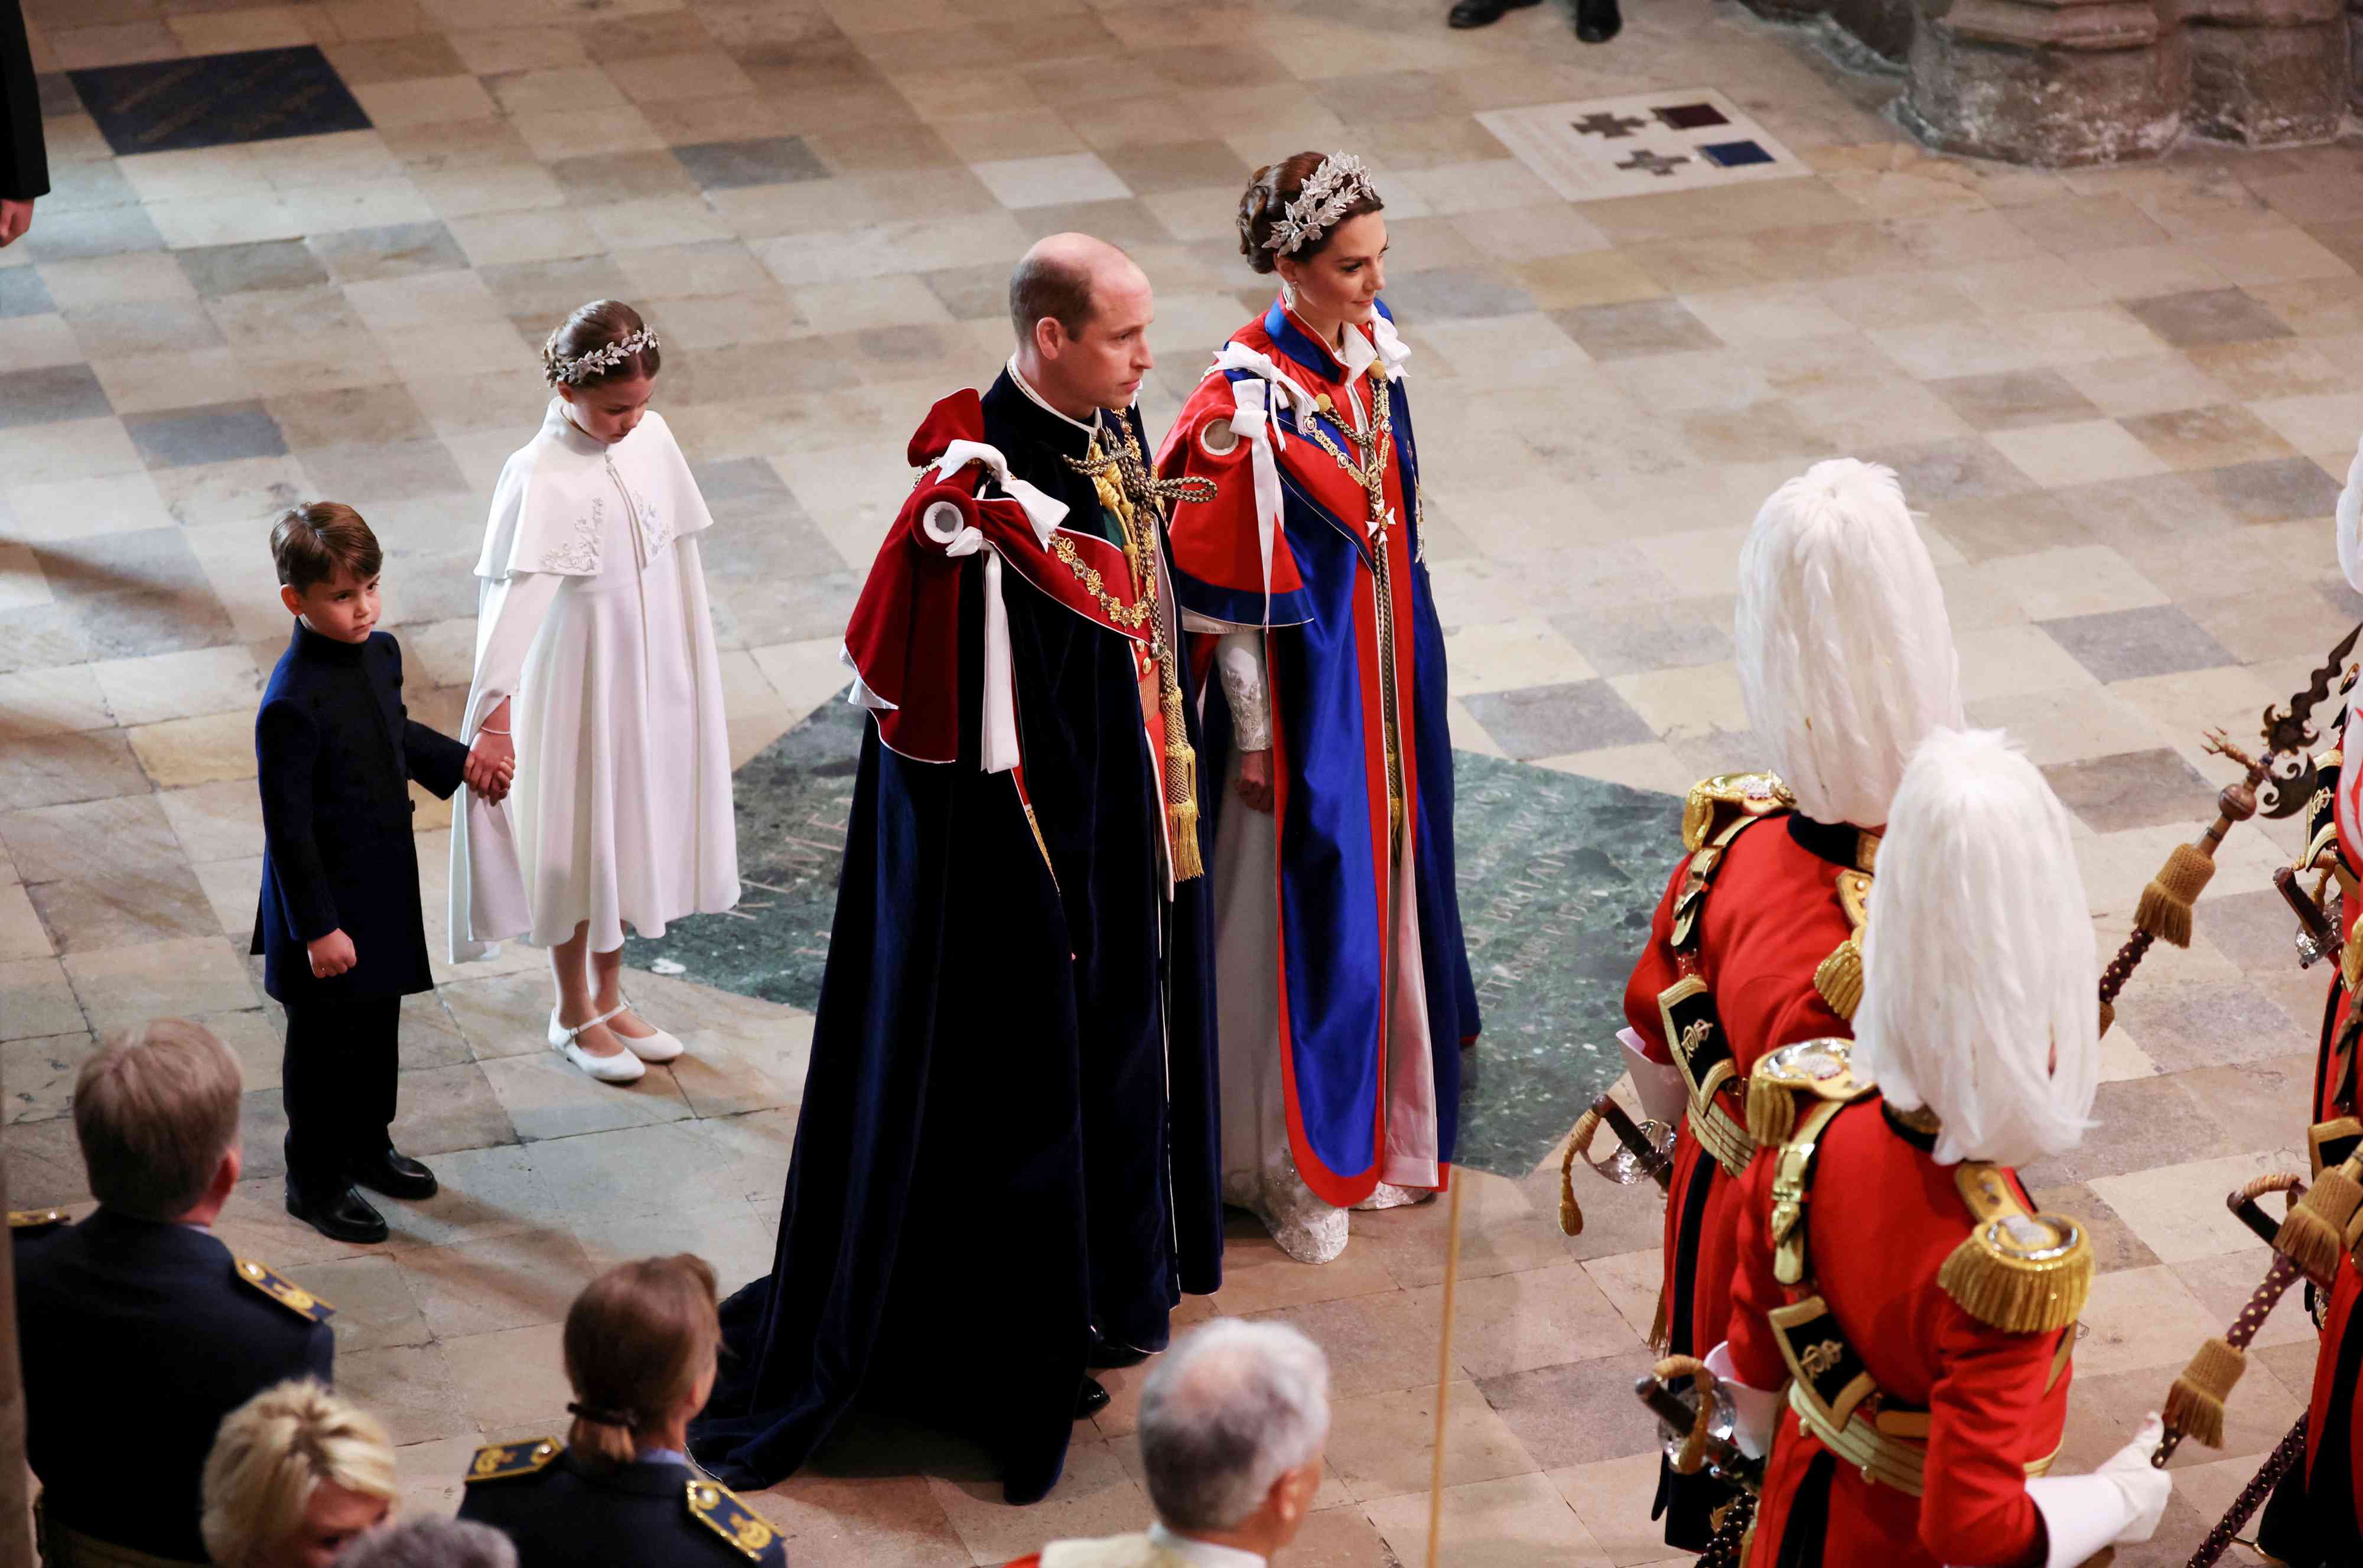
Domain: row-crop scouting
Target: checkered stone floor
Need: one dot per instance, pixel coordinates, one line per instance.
(2120, 397)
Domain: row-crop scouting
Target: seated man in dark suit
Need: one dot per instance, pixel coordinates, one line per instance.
(136, 1326)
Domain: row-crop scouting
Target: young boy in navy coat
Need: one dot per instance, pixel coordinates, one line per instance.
(340, 924)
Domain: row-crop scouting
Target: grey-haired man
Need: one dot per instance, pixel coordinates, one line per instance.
(1233, 1420)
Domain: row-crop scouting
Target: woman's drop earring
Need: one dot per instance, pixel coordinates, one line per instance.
(1287, 295)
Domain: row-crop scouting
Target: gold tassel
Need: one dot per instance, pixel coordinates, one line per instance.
(2165, 907)
(2315, 1231)
(1181, 787)
(1771, 1112)
(1692, 1453)
(2108, 1016)
(1661, 1331)
(1839, 978)
(1570, 1214)
(2194, 1405)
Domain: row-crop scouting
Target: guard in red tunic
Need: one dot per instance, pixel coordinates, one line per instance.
(1901, 1321)
(2335, 847)
(2315, 1517)
(1846, 660)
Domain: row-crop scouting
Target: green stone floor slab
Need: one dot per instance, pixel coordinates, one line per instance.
(1557, 873)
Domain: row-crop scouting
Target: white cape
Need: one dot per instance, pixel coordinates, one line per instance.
(593, 621)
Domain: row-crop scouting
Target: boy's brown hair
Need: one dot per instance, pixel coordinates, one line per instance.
(312, 542)
(154, 1113)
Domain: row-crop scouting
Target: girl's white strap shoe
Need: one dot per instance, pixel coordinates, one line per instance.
(657, 1047)
(623, 1067)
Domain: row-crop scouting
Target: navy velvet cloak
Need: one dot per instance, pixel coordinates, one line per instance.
(1009, 1144)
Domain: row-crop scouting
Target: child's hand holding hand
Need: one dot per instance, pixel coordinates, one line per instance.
(331, 955)
(492, 763)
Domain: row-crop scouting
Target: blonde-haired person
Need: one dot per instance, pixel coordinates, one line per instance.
(295, 1475)
(140, 1308)
(598, 681)
(1919, 1269)
(1846, 661)
(640, 1345)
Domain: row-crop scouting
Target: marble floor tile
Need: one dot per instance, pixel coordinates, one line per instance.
(1613, 331)
(43, 396)
(2128, 644)
(2208, 438)
(216, 433)
(1516, 1519)
(121, 986)
(158, 903)
(2014, 398)
(36, 1000)
(2135, 789)
(2272, 489)
(1577, 716)
(1384, 1444)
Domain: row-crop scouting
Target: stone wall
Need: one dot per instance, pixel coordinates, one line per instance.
(2068, 82)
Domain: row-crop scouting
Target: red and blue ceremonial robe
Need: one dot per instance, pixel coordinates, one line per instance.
(1311, 538)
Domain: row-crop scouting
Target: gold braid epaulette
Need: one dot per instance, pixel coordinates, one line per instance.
(2021, 1273)
(1808, 1069)
(1839, 976)
(1715, 803)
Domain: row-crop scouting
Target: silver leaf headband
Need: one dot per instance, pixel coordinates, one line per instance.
(605, 358)
(1338, 185)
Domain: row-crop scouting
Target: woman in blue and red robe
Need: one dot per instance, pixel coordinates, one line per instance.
(1343, 993)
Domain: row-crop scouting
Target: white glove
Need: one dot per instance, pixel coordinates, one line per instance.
(1664, 1097)
(1755, 1412)
(2120, 1501)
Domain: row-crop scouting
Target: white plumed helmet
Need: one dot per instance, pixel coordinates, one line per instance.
(1845, 655)
(1980, 984)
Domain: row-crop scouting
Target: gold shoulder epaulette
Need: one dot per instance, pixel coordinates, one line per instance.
(1838, 977)
(498, 1462)
(1714, 803)
(284, 1291)
(35, 1219)
(748, 1532)
(1821, 1068)
(2021, 1273)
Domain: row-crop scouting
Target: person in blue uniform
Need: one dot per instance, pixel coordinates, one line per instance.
(339, 923)
(642, 1343)
(1005, 1169)
(139, 1331)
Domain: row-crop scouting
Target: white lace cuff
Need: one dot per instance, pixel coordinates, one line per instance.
(1239, 655)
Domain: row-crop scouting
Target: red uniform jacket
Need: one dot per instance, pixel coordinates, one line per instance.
(2331, 822)
(1772, 915)
(1882, 1220)
(2333, 1527)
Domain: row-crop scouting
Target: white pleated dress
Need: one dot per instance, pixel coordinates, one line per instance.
(592, 619)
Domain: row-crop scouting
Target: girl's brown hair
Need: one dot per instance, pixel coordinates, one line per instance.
(637, 1338)
(1266, 200)
(591, 327)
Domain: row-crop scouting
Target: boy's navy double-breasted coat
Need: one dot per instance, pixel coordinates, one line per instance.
(334, 747)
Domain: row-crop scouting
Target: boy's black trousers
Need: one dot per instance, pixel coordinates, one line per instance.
(337, 1081)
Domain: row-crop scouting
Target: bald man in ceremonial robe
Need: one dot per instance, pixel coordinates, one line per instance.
(1005, 1173)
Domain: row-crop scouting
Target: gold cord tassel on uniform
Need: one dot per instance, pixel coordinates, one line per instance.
(1691, 1456)
(1181, 790)
(2194, 1405)
(2315, 1234)
(2165, 907)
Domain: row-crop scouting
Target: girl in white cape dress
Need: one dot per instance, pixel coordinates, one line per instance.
(596, 667)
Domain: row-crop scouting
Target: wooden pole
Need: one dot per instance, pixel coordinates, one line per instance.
(1444, 1373)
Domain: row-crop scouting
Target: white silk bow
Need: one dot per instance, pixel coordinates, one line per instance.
(1259, 399)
